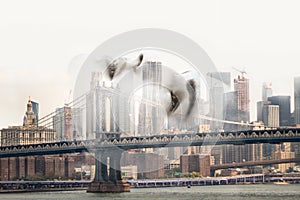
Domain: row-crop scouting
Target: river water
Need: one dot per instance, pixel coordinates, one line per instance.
(223, 192)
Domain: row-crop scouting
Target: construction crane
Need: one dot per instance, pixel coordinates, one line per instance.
(241, 71)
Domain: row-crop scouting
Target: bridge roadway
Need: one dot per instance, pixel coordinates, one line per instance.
(175, 140)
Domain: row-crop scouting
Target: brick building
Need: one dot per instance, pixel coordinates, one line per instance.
(32, 166)
(195, 163)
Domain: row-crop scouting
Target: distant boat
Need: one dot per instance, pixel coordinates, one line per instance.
(189, 186)
(281, 182)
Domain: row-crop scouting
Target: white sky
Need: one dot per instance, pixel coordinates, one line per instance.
(39, 39)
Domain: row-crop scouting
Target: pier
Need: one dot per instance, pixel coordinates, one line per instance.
(242, 179)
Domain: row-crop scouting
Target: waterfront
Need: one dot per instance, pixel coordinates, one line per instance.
(223, 192)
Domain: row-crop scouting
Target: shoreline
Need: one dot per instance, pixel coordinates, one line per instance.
(40, 190)
(84, 189)
(18, 187)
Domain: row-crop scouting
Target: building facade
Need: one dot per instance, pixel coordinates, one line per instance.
(231, 110)
(62, 123)
(241, 86)
(283, 151)
(284, 103)
(259, 109)
(266, 91)
(32, 167)
(297, 99)
(271, 116)
(219, 83)
(150, 120)
(195, 163)
(29, 133)
(149, 165)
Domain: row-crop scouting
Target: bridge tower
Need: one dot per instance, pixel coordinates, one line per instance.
(108, 173)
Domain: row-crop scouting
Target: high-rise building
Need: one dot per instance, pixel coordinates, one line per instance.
(262, 105)
(259, 106)
(296, 145)
(271, 116)
(284, 103)
(241, 86)
(150, 116)
(62, 123)
(124, 106)
(266, 91)
(231, 110)
(237, 110)
(219, 83)
(77, 123)
(268, 113)
(297, 99)
(35, 108)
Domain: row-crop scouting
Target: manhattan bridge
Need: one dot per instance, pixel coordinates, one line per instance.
(106, 138)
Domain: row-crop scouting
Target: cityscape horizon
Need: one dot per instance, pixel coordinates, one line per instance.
(151, 100)
(253, 110)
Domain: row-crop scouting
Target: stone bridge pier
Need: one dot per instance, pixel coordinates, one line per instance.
(108, 177)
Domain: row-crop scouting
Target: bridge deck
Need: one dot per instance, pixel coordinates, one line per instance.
(176, 140)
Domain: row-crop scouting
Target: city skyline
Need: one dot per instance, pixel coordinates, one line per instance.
(257, 106)
(44, 43)
(112, 96)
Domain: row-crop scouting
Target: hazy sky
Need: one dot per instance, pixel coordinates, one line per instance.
(42, 42)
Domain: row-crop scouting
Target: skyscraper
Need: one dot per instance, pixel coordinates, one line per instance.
(241, 86)
(62, 123)
(296, 145)
(150, 120)
(260, 105)
(284, 103)
(77, 123)
(266, 91)
(35, 108)
(219, 84)
(297, 99)
(237, 110)
(271, 115)
(231, 110)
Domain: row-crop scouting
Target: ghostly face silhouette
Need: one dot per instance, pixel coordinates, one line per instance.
(179, 89)
(120, 65)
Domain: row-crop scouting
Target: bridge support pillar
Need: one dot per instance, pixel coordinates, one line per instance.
(108, 181)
